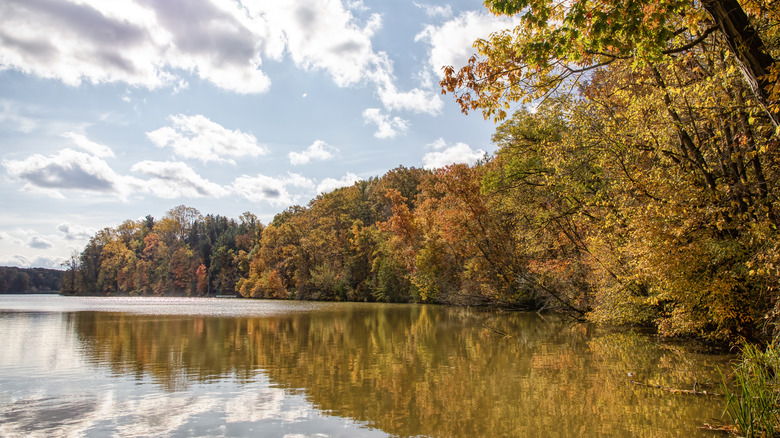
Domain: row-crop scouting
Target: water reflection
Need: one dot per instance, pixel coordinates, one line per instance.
(409, 370)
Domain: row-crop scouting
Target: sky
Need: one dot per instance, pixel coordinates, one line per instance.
(114, 110)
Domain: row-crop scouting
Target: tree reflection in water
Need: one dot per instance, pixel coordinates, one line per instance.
(425, 370)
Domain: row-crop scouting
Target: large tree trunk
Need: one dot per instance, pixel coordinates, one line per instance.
(747, 46)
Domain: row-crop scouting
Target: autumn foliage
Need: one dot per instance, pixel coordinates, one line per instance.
(648, 167)
(184, 253)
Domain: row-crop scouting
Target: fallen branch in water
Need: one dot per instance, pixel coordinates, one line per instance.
(724, 429)
(678, 391)
(496, 330)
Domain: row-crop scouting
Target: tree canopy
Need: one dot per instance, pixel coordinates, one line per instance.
(558, 44)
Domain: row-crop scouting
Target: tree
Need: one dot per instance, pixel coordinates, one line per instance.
(184, 218)
(69, 281)
(154, 269)
(115, 263)
(758, 66)
(540, 183)
(89, 262)
(557, 43)
(201, 276)
(660, 174)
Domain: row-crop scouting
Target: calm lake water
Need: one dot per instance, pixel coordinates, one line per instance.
(228, 367)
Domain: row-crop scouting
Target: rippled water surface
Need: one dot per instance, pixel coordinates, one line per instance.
(231, 367)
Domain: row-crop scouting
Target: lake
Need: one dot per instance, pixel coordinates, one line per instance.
(72, 366)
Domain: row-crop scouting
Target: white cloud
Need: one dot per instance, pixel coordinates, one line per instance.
(156, 43)
(75, 232)
(445, 155)
(17, 239)
(330, 184)
(20, 261)
(324, 35)
(298, 180)
(435, 10)
(437, 145)
(67, 169)
(319, 150)
(356, 5)
(199, 138)
(70, 170)
(176, 180)
(416, 100)
(387, 127)
(269, 189)
(39, 242)
(88, 145)
(141, 43)
(452, 43)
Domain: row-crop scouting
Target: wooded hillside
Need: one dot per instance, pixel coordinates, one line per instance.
(25, 280)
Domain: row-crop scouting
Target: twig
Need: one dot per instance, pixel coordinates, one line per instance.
(678, 391)
(724, 429)
(496, 330)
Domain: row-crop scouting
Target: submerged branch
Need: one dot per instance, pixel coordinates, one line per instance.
(693, 391)
(496, 330)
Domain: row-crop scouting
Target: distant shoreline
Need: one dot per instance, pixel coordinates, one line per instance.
(40, 292)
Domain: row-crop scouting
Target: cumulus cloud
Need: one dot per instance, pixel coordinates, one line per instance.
(415, 100)
(275, 191)
(142, 43)
(319, 150)
(150, 42)
(435, 10)
(169, 180)
(12, 239)
(75, 232)
(67, 169)
(330, 184)
(88, 145)
(387, 127)
(39, 242)
(444, 155)
(356, 5)
(157, 43)
(70, 170)
(199, 138)
(452, 43)
(324, 35)
(20, 261)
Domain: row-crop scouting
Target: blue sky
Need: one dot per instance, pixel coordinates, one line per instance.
(112, 110)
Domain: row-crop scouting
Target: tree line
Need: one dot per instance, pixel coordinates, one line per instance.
(29, 280)
(184, 253)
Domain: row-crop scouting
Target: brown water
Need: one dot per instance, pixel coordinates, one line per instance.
(227, 367)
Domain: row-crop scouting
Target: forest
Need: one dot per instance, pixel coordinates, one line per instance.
(634, 182)
(29, 280)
